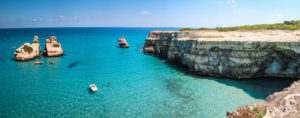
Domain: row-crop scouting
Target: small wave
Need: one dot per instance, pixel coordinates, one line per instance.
(141, 50)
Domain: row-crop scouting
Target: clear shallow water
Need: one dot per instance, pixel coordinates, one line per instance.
(142, 85)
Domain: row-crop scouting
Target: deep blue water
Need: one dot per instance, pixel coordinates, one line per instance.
(142, 85)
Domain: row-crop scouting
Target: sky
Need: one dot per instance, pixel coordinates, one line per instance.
(145, 13)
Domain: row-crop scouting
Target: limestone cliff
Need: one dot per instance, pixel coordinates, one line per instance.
(53, 48)
(283, 104)
(234, 54)
(28, 51)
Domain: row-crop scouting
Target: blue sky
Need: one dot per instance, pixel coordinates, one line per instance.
(145, 13)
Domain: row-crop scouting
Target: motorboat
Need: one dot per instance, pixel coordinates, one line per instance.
(51, 62)
(39, 62)
(93, 87)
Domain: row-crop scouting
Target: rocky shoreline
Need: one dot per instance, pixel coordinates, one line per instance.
(234, 54)
(283, 104)
(238, 55)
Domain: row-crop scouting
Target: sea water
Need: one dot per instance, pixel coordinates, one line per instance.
(142, 85)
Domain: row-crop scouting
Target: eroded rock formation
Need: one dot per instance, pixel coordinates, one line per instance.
(283, 104)
(28, 51)
(123, 43)
(235, 54)
(53, 48)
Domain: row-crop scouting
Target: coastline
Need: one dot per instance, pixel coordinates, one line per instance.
(192, 48)
(235, 54)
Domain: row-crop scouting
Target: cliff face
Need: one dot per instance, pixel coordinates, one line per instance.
(53, 48)
(28, 51)
(235, 54)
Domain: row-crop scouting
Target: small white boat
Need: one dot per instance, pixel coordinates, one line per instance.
(93, 87)
(51, 62)
(39, 62)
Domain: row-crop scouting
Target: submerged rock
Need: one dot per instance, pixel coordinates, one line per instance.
(53, 48)
(28, 51)
(234, 54)
(123, 43)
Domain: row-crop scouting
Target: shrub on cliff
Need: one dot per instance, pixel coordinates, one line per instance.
(189, 29)
(55, 45)
(215, 49)
(286, 25)
(27, 48)
(247, 112)
(184, 29)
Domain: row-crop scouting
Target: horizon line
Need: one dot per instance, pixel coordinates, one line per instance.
(81, 27)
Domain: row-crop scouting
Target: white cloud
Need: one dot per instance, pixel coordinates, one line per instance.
(37, 19)
(220, 2)
(62, 17)
(50, 20)
(145, 12)
(232, 3)
(236, 11)
(278, 15)
(77, 17)
(56, 19)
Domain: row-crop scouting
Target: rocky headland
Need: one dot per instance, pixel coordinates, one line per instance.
(53, 48)
(238, 55)
(123, 43)
(232, 54)
(28, 51)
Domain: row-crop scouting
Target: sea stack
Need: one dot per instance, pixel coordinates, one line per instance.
(28, 51)
(123, 43)
(53, 48)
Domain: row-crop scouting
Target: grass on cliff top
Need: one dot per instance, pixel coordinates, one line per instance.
(27, 48)
(286, 25)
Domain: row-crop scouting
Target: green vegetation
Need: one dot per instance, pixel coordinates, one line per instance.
(27, 48)
(55, 45)
(259, 113)
(246, 112)
(255, 109)
(189, 29)
(215, 49)
(286, 25)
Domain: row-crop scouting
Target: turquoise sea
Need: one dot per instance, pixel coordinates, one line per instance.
(142, 85)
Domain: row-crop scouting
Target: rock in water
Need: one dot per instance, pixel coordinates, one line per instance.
(28, 51)
(53, 48)
(123, 43)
